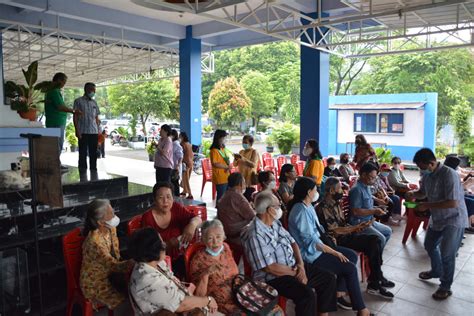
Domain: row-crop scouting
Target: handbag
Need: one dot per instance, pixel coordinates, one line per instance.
(254, 297)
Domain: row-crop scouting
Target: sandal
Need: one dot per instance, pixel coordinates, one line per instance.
(425, 275)
(441, 294)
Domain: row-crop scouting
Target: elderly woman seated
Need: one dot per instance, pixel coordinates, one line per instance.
(267, 181)
(213, 268)
(173, 222)
(101, 256)
(153, 287)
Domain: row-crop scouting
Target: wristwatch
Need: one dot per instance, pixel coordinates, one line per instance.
(209, 299)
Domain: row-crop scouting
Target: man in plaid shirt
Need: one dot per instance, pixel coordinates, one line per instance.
(276, 259)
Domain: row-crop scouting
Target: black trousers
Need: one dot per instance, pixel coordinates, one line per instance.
(88, 145)
(175, 181)
(323, 282)
(370, 246)
(162, 174)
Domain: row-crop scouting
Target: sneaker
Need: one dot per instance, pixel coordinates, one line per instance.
(342, 303)
(382, 292)
(386, 283)
(397, 217)
(392, 222)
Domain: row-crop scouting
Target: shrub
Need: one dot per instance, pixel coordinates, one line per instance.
(383, 155)
(442, 150)
(285, 135)
(206, 148)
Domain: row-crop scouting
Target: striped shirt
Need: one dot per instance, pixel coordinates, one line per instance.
(265, 245)
(87, 122)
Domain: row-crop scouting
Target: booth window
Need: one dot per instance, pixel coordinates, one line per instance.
(365, 122)
(391, 123)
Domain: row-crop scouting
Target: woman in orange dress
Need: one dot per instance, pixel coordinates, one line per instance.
(101, 255)
(363, 152)
(314, 167)
(188, 162)
(220, 161)
(213, 268)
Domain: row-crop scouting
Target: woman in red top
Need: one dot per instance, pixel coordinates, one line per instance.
(175, 224)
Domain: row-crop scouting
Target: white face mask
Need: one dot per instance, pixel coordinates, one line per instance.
(114, 222)
(316, 196)
(272, 185)
(396, 167)
(332, 167)
(279, 214)
(307, 151)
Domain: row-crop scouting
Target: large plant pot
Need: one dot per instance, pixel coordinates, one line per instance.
(73, 148)
(151, 157)
(30, 115)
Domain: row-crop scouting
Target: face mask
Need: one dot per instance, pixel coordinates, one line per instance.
(215, 253)
(114, 222)
(337, 196)
(272, 185)
(278, 214)
(384, 174)
(222, 142)
(332, 167)
(91, 95)
(244, 189)
(307, 151)
(246, 146)
(425, 172)
(316, 196)
(396, 167)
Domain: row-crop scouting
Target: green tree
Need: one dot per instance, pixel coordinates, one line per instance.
(260, 92)
(228, 103)
(290, 110)
(151, 98)
(461, 115)
(434, 71)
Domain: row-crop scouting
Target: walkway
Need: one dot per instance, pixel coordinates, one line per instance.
(401, 263)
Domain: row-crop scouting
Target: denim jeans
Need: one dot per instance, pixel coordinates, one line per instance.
(442, 247)
(220, 190)
(383, 232)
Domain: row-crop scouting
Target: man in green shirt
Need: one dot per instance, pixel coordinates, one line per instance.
(55, 109)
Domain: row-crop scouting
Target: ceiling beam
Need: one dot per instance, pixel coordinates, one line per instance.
(78, 10)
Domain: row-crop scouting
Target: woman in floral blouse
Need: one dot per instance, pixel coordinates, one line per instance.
(153, 287)
(101, 256)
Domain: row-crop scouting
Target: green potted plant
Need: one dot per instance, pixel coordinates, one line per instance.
(384, 155)
(123, 132)
(269, 142)
(151, 149)
(284, 134)
(71, 137)
(26, 99)
(133, 129)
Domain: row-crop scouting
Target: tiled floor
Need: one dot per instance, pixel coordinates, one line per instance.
(402, 263)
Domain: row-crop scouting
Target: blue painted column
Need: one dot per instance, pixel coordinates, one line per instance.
(1, 71)
(190, 86)
(314, 100)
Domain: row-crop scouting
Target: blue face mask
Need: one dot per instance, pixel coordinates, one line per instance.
(384, 174)
(215, 253)
(246, 146)
(91, 95)
(425, 172)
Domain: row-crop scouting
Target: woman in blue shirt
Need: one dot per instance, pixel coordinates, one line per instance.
(305, 228)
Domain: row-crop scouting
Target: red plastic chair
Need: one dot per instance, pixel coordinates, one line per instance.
(300, 167)
(413, 223)
(294, 159)
(72, 251)
(201, 211)
(281, 160)
(134, 224)
(207, 176)
(265, 156)
(325, 162)
(188, 256)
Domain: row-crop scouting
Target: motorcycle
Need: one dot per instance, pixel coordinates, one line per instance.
(197, 159)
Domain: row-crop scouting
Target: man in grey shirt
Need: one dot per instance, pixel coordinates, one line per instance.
(443, 191)
(87, 127)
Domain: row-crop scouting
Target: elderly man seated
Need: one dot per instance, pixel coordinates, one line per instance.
(275, 258)
(233, 209)
(332, 218)
(362, 205)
